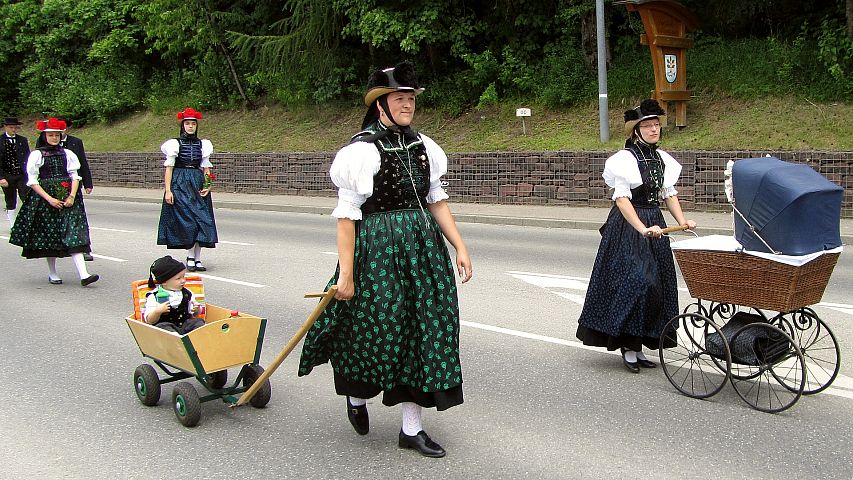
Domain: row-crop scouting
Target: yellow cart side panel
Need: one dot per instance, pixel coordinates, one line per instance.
(160, 344)
(226, 343)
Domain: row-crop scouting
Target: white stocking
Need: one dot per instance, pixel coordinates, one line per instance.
(190, 253)
(630, 356)
(411, 418)
(80, 263)
(51, 265)
(641, 356)
(357, 402)
(197, 250)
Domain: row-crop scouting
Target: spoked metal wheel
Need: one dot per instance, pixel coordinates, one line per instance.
(817, 344)
(774, 367)
(691, 366)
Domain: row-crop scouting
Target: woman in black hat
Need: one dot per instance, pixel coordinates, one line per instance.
(186, 216)
(632, 290)
(52, 222)
(394, 324)
(14, 150)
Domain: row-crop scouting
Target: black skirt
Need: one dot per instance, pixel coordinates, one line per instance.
(633, 290)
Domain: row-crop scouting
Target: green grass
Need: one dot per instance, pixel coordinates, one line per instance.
(714, 123)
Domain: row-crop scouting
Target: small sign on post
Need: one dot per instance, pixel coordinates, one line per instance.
(522, 112)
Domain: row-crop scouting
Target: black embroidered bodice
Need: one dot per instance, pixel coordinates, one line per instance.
(180, 314)
(189, 153)
(55, 165)
(403, 162)
(651, 168)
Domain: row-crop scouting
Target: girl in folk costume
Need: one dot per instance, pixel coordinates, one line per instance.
(52, 221)
(632, 290)
(394, 324)
(186, 218)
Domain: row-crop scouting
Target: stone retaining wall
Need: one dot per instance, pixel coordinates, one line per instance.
(540, 178)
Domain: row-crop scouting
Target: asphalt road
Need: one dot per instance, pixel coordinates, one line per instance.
(537, 404)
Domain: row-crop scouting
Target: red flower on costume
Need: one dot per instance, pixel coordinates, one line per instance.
(189, 113)
(65, 184)
(51, 125)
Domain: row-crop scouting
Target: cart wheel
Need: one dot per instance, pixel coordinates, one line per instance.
(693, 365)
(263, 395)
(775, 365)
(187, 404)
(147, 385)
(818, 346)
(218, 379)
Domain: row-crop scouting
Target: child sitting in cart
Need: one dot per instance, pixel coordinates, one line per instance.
(170, 305)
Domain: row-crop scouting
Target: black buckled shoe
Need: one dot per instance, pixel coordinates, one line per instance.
(359, 418)
(645, 363)
(89, 280)
(422, 443)
(199, 267)
(633, 367)
(190, 264)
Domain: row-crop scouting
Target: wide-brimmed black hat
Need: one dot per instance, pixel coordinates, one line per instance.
(647, 109)
(399, 78)
(11, 121)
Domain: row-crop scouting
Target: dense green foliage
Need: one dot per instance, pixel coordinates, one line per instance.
(100, 59)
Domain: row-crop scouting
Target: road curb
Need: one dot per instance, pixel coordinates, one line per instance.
(460, 217)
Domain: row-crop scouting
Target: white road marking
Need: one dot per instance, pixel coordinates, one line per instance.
(237, 243)
(841, 387)
(4, 237)
(113, 259)
(228, 280)
(838, 307)
(330, 253)
(111, 230)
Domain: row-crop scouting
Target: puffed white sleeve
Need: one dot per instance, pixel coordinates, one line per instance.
(34, 163)
(437, 169)
(352, 172)
(622, 174)
(170, 150)
(206, 151)
(72, 165)
(671, 172)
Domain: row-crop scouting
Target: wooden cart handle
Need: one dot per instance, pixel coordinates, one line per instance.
(303, 330)
(674, 229)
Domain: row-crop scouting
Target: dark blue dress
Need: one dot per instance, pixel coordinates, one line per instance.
(189, 220)
(632, 291)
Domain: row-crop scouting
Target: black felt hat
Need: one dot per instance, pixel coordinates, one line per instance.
(399, 78)
(11, 121)
(163, 269)
(647, 109)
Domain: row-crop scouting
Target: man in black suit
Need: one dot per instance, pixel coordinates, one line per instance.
(75, 144)
(14, 150)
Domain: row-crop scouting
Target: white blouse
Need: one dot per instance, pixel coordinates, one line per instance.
(35, 162)
(621, 173)
(355, 165)
(171, 147)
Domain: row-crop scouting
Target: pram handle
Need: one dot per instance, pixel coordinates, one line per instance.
(674, 229)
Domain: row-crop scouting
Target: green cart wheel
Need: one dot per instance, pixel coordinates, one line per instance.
(262, 397)
(187, 405)
(147, 385)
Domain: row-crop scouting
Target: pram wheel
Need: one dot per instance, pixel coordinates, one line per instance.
(693, 365)
(771, 368)
(147, 385)
(817, 344)
(187, 405)
(251, 373)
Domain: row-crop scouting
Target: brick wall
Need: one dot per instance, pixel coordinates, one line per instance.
(552, 178)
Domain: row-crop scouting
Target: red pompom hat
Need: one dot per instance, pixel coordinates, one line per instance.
(51, 125)
(189, 113)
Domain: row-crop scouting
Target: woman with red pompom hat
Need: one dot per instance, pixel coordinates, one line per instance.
(52, 222)
(186, 217)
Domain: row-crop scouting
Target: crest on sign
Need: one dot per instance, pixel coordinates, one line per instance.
(670, 67)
